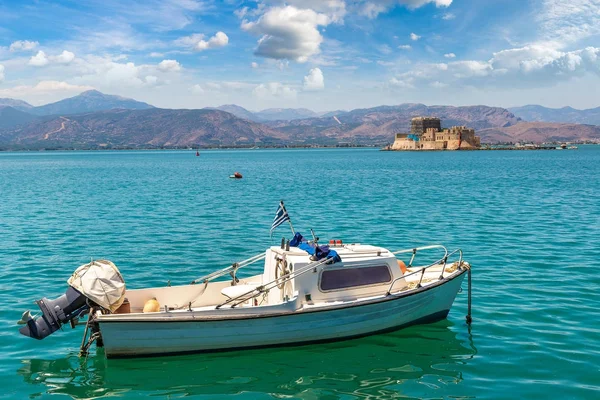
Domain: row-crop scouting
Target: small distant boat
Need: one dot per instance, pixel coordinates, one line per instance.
(236, 175)
(572, 147)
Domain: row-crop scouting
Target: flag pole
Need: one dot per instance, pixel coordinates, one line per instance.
(289, 219)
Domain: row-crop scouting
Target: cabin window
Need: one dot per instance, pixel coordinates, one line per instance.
(343, 278)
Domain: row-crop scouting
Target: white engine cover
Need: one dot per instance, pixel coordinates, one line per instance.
(101, 282)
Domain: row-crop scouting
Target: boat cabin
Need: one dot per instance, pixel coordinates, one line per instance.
(294, 277)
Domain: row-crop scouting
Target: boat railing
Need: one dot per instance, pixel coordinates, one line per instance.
(232, 270)
(442, 261)
(264, 288)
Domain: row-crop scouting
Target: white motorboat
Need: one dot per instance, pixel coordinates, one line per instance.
(354, 290)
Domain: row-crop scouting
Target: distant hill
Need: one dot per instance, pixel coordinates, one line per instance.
(379, 124)
(539, 132)
(286, 114)
(16, 104)
(336, 113)
(566, 114)
(150, 128)
(238, 111)
(10, 117)
(95, 120)
(89, 101)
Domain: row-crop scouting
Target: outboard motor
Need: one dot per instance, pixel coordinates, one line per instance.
(55, 313)
(98, 283)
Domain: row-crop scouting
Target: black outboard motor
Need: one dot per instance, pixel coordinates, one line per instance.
(96, 284)
(55, 313)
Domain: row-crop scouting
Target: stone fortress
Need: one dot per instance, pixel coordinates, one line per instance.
(426, 134)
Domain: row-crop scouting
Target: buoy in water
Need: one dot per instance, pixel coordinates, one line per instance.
(236, 175)
(151, 306)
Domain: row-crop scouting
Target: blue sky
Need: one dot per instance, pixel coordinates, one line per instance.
(319, 54)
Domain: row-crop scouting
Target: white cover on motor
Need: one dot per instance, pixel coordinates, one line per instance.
(101, 282)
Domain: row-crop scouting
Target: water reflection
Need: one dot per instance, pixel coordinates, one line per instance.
(410, 362)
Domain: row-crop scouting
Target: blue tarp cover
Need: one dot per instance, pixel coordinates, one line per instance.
(320, 252)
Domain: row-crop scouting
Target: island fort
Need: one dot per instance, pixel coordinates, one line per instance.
(426, 133)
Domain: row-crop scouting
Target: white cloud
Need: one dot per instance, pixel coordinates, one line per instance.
(372, 8)
(1, 73)
(288, 33)
(385, 49)
(241, 12)
(314, 80)
(405, 47)
(448, 16)
(567, 22)
(105, 72)
(64, 58)
(438, 85)
(196, 89)
(334, 9)
(121, 74)
(414, 36)
(197, 42)
(39, 60)
(282, 64)
(189, 41)
(529, 66)
(43, 87)
(254, 65)
(244, 12)
(23, 45)
(469, 69)
(169, 66)
(155, 15)
(222, 86)
(419, 3)
(155, 54)
(151, 80)
(406, 84)
(213, 86)
(220, 39)
(450, 55)
(274, 89)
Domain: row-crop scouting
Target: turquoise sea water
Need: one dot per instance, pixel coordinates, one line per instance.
(528, 221)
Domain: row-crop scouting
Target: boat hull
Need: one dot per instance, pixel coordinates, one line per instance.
(304, 326)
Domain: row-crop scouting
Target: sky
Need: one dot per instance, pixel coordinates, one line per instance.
(319, 54)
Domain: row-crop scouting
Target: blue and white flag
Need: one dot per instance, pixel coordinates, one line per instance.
(280, 217)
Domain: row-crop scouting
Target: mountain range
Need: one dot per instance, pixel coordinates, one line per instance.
(96, 120)
(270, 114)
(89, 101)
(537, 113)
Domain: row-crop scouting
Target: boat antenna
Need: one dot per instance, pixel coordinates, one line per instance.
(315, 238)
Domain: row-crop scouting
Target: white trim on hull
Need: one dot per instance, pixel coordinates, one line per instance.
(309, 324)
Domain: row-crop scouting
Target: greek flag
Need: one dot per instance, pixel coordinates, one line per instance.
(280, 217)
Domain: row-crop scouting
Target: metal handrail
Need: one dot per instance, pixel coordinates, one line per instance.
(232, 269)
(442, 261)
(255, 292)
(270, 285)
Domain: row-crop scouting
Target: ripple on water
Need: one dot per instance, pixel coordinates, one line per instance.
(527, 221)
